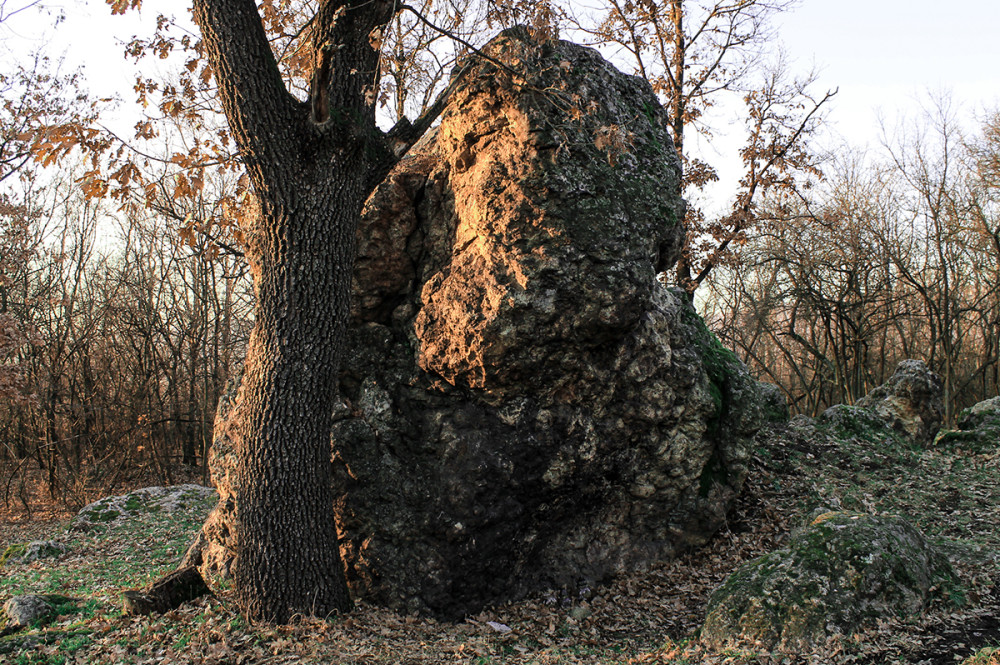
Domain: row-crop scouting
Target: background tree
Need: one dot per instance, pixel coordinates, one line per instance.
(895, 256)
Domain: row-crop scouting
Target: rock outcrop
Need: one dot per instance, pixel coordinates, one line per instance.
(188, 498)
(910, 401)
(523, 404)
(837, 576)
(978, 428)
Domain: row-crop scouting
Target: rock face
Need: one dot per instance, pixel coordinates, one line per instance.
(524, 405)
(978, 428)
(910, 401)
(837, 576)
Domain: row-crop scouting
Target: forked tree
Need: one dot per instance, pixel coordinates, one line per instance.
(311, 165)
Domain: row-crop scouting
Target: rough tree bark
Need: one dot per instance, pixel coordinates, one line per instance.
(312, 165)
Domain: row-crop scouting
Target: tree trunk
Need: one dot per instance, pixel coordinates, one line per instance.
(301, 253)
(311, 166)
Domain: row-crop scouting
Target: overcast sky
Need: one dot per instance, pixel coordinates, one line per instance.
(885, 54)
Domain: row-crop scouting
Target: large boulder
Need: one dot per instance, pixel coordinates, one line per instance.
(523, 404)
(910, 401)
(840, 574)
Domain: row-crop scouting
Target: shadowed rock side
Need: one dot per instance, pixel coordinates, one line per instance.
(525, 406)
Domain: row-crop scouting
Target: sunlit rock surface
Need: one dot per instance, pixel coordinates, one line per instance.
(523, 404)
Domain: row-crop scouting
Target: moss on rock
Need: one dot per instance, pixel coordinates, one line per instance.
(837, 576)
(114, 509)
(978, 428)
(855, 422)
(15, 551)
(27, 552)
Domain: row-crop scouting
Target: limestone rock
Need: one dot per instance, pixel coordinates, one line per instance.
(27, 552)
(910, 401)
(978, 428)
(24, 610)
(114, 509)
(983, 414)
(843, 420)
(775, 402)
(837, 576)
(523, 404)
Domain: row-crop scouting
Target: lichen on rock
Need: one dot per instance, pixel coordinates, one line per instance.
(838, 575)
(910, 401)
(25, 610)
(115, 509)
(22, 553)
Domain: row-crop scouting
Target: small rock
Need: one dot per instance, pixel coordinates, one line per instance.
(501, 628)
(22, 611)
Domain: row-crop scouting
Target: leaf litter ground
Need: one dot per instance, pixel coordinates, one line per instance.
(649, 617)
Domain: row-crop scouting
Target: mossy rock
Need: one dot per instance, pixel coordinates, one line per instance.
(978, 429)
(30, 609)
(150, 500)
(845, 421)
(33, 551)
(839, 575)
(775, 402)
(983, 414)
(13, 553)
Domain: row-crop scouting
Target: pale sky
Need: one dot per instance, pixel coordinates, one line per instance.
(886, 54)
(883, 55)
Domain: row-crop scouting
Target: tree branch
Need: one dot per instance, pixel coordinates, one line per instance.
(260, 110)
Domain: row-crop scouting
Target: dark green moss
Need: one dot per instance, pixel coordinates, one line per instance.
(714, 472)
(106, 515)
(720, 364)
(844, 570)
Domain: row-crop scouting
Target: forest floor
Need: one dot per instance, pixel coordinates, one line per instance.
(650, 617)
